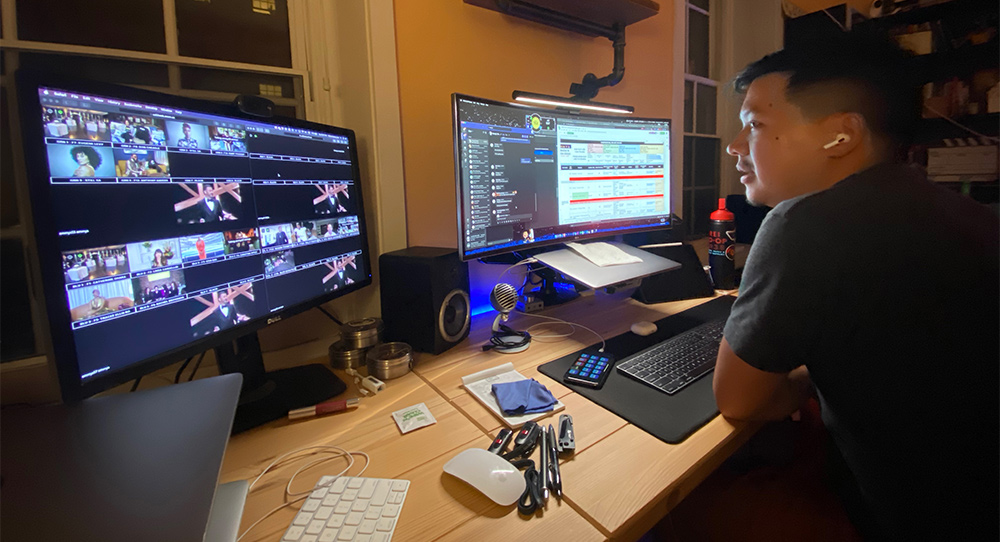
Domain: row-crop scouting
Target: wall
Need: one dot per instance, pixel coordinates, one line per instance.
(747, 32)
(446, 46)
(349, 50)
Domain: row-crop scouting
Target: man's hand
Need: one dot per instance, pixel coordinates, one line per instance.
(746, 393)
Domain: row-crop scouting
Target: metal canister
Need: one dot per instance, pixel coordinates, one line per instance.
(390, 360)
(344, 357)
(363, 333)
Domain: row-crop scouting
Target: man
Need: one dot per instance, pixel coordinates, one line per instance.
(187, 142)
(225, 313)
(870, 283)
(133, 167)
(210, 207)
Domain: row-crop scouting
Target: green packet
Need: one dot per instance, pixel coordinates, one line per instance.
(413, 417)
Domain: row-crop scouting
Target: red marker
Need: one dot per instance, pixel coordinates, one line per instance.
(323, 408)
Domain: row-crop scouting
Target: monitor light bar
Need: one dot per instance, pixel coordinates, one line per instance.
(569, 103)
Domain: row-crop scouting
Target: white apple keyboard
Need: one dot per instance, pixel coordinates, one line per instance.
(349, 508)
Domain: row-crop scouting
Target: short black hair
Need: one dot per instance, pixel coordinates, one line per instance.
(861, 71)
(95, 159)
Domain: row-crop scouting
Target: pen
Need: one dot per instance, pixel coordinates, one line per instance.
(323, 408)
(555, 480)
(543, 463)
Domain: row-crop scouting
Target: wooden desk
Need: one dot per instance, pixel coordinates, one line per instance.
(617, 485)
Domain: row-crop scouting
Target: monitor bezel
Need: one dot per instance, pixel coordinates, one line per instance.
(62, 347)
(455, 97)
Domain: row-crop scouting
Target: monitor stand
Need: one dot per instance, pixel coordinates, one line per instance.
(268, 396)
(570, 263)
(552, 291)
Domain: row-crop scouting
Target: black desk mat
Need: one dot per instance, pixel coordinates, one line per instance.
(670, 418)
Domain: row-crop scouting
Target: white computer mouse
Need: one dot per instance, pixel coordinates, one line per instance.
(491, 474)
(644, 328)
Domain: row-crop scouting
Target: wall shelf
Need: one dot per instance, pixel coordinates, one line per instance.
(587, 17)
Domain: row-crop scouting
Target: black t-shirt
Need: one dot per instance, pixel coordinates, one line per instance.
(887, 288)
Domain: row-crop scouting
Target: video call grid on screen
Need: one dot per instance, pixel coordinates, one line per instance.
(186, 248)
(528, 175)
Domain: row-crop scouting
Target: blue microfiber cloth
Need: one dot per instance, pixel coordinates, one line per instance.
(523, 397)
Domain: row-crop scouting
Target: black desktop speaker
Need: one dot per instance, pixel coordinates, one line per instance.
(425, 297)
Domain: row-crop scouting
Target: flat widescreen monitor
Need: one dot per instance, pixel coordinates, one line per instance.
(167, 226)
(531, 177)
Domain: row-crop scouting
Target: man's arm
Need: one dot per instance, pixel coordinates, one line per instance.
(747, 393)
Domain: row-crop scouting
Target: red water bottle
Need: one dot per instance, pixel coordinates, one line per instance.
(722, 247)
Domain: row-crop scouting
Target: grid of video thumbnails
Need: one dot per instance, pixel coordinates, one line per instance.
(89, 146)
(109, 282)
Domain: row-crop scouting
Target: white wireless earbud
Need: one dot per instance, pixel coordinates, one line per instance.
(841, 138)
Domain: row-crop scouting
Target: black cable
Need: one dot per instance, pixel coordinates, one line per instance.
(531, 498)
(196, 365)
(332, 317)
(136, 384)
(177, 377)
(496, 340)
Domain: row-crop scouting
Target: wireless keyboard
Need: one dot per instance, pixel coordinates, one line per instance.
(349, 508)
(677, 361)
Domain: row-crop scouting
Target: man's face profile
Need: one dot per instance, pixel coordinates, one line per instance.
(778, 149)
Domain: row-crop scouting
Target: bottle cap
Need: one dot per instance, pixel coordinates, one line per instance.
(722, 213)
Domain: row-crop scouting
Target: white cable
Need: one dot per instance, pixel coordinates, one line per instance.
(571, 324)
(525, 261)
(834, 19)
(298, 496)
(279, 458)
(555, 336)
(960, 125)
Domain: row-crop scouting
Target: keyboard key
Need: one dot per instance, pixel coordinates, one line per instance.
(308, 538)
(354, 518)
(301, 520)
(310, 505)
(328, 535)
(294, 533)
(355, 483)
(373, 512)
(381, 492)
(343, 507)
(385, 524)
(390, 511)
(324, 512)
(367, 526)
(319, 493)
(360, 505)
(315, 526)
(335, 521)
(331, 499)
(349, 495)
(338, 485)
(380, 537)
(347, 533)
(368, 489)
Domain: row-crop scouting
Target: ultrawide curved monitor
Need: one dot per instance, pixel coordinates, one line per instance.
(530, 177)
(167, 226)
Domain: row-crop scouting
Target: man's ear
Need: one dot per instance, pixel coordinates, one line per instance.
(847, 131)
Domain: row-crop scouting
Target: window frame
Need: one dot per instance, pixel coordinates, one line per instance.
(689, 191)
(11, 46)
